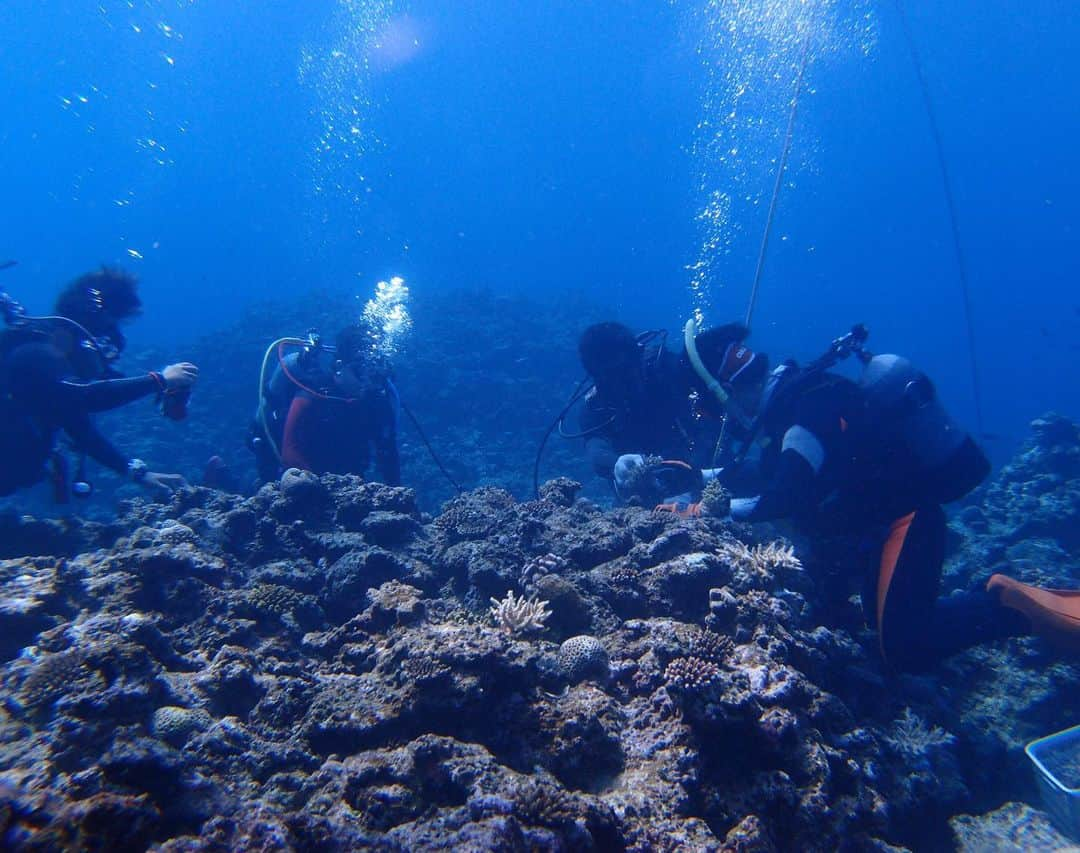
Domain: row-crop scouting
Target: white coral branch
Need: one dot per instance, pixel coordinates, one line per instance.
(761, 560)
(519, 615)
(912, 736)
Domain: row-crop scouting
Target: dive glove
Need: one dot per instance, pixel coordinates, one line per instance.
(626, 468)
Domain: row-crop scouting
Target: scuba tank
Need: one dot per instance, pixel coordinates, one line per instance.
(900, 431)
(916, 439)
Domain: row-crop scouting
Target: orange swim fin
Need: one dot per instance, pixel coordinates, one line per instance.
(1054, 613)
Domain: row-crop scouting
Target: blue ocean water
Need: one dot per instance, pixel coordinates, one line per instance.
(230, 152)
(599, 159)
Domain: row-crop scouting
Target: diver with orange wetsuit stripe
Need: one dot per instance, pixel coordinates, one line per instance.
(877, 458)
(329, 417)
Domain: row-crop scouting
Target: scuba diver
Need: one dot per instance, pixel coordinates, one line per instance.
(648, 421)
(57, 371)
(325, 409)
(871, 462)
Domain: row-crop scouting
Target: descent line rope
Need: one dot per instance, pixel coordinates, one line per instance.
(779, 178)
(950, 203)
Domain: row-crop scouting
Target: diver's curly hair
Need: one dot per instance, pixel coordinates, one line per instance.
(606, 346)
(98, 299)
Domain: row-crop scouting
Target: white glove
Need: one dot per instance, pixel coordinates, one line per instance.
(179, 376)
(625, 467)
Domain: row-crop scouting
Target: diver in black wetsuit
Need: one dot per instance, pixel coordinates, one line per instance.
(875, 460)
(644, 403)
(56, 372)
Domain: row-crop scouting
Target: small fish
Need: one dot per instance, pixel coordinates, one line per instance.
(6, 265)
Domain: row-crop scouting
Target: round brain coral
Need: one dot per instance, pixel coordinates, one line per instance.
(583, 657)
(174, 724)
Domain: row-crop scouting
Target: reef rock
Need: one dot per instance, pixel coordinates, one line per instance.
(315, 667)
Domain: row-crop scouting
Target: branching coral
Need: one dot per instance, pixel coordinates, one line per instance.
(913, 736)
(715, 500)
(537, 567)
(761, 560)
(709, 645)
(519, 615)
(691, 674)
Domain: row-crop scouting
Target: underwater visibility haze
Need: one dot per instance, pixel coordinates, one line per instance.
(446, 654)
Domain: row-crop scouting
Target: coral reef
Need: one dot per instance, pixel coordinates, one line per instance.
(1014, 828)
(314, 667)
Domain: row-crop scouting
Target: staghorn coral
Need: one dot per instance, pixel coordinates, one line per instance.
(912, 736)
(519, 615)
(582, 656)
(761, 561)
(691, 674)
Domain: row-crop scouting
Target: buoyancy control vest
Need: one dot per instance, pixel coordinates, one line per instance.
(897, 438)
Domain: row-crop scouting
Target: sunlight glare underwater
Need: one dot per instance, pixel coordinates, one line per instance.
(750, 52)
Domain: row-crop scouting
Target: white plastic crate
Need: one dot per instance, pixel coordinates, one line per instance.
(1057, 765)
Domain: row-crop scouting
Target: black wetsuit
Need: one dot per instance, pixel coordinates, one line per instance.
(837, 475)
(39, 398)
(655, 419)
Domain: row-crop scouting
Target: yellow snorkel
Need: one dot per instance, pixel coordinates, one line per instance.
(714, 385)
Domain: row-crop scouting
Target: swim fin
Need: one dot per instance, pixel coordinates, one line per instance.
(1054, 613)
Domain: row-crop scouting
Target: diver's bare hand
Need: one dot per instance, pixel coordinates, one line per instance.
(163, 484)
(178, 376)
